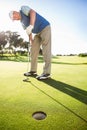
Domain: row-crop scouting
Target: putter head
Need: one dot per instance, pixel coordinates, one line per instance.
(26, 80)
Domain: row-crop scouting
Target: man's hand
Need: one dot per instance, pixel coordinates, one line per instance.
(29, 29)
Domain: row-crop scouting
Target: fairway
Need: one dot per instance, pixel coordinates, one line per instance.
(63, 97)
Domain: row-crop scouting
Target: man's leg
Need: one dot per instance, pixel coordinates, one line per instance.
(46, 49)
(35, 47)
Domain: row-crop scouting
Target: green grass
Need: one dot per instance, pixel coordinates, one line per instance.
(63, 97)
(17, 58)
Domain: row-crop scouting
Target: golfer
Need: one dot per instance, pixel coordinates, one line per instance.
(34, 23)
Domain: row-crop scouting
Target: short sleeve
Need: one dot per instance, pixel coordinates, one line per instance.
(25, 10)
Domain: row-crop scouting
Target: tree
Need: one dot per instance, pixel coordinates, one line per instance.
(3, 42)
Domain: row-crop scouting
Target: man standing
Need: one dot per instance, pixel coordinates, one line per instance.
(32, 22)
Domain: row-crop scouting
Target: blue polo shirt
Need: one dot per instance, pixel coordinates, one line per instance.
(40, 22)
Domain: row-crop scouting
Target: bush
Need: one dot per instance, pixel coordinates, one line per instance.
(82, 54)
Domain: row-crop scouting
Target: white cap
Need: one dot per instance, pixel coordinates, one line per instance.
(11, 14)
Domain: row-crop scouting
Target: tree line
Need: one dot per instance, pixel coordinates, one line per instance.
(11, 41)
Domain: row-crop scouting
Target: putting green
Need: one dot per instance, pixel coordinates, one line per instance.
(63, 97)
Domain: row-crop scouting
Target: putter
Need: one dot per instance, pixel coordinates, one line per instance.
(28, 57)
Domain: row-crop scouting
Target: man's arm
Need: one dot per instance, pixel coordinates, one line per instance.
(32, 15)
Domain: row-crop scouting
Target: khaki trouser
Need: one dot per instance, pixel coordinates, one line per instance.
(44, 39)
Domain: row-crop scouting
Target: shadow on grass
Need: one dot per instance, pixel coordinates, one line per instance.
(14, 58)
(66, 63)
(74, 92)
(40, 60)
(79, 94)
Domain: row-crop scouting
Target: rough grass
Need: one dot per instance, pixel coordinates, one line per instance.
(63, 97)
